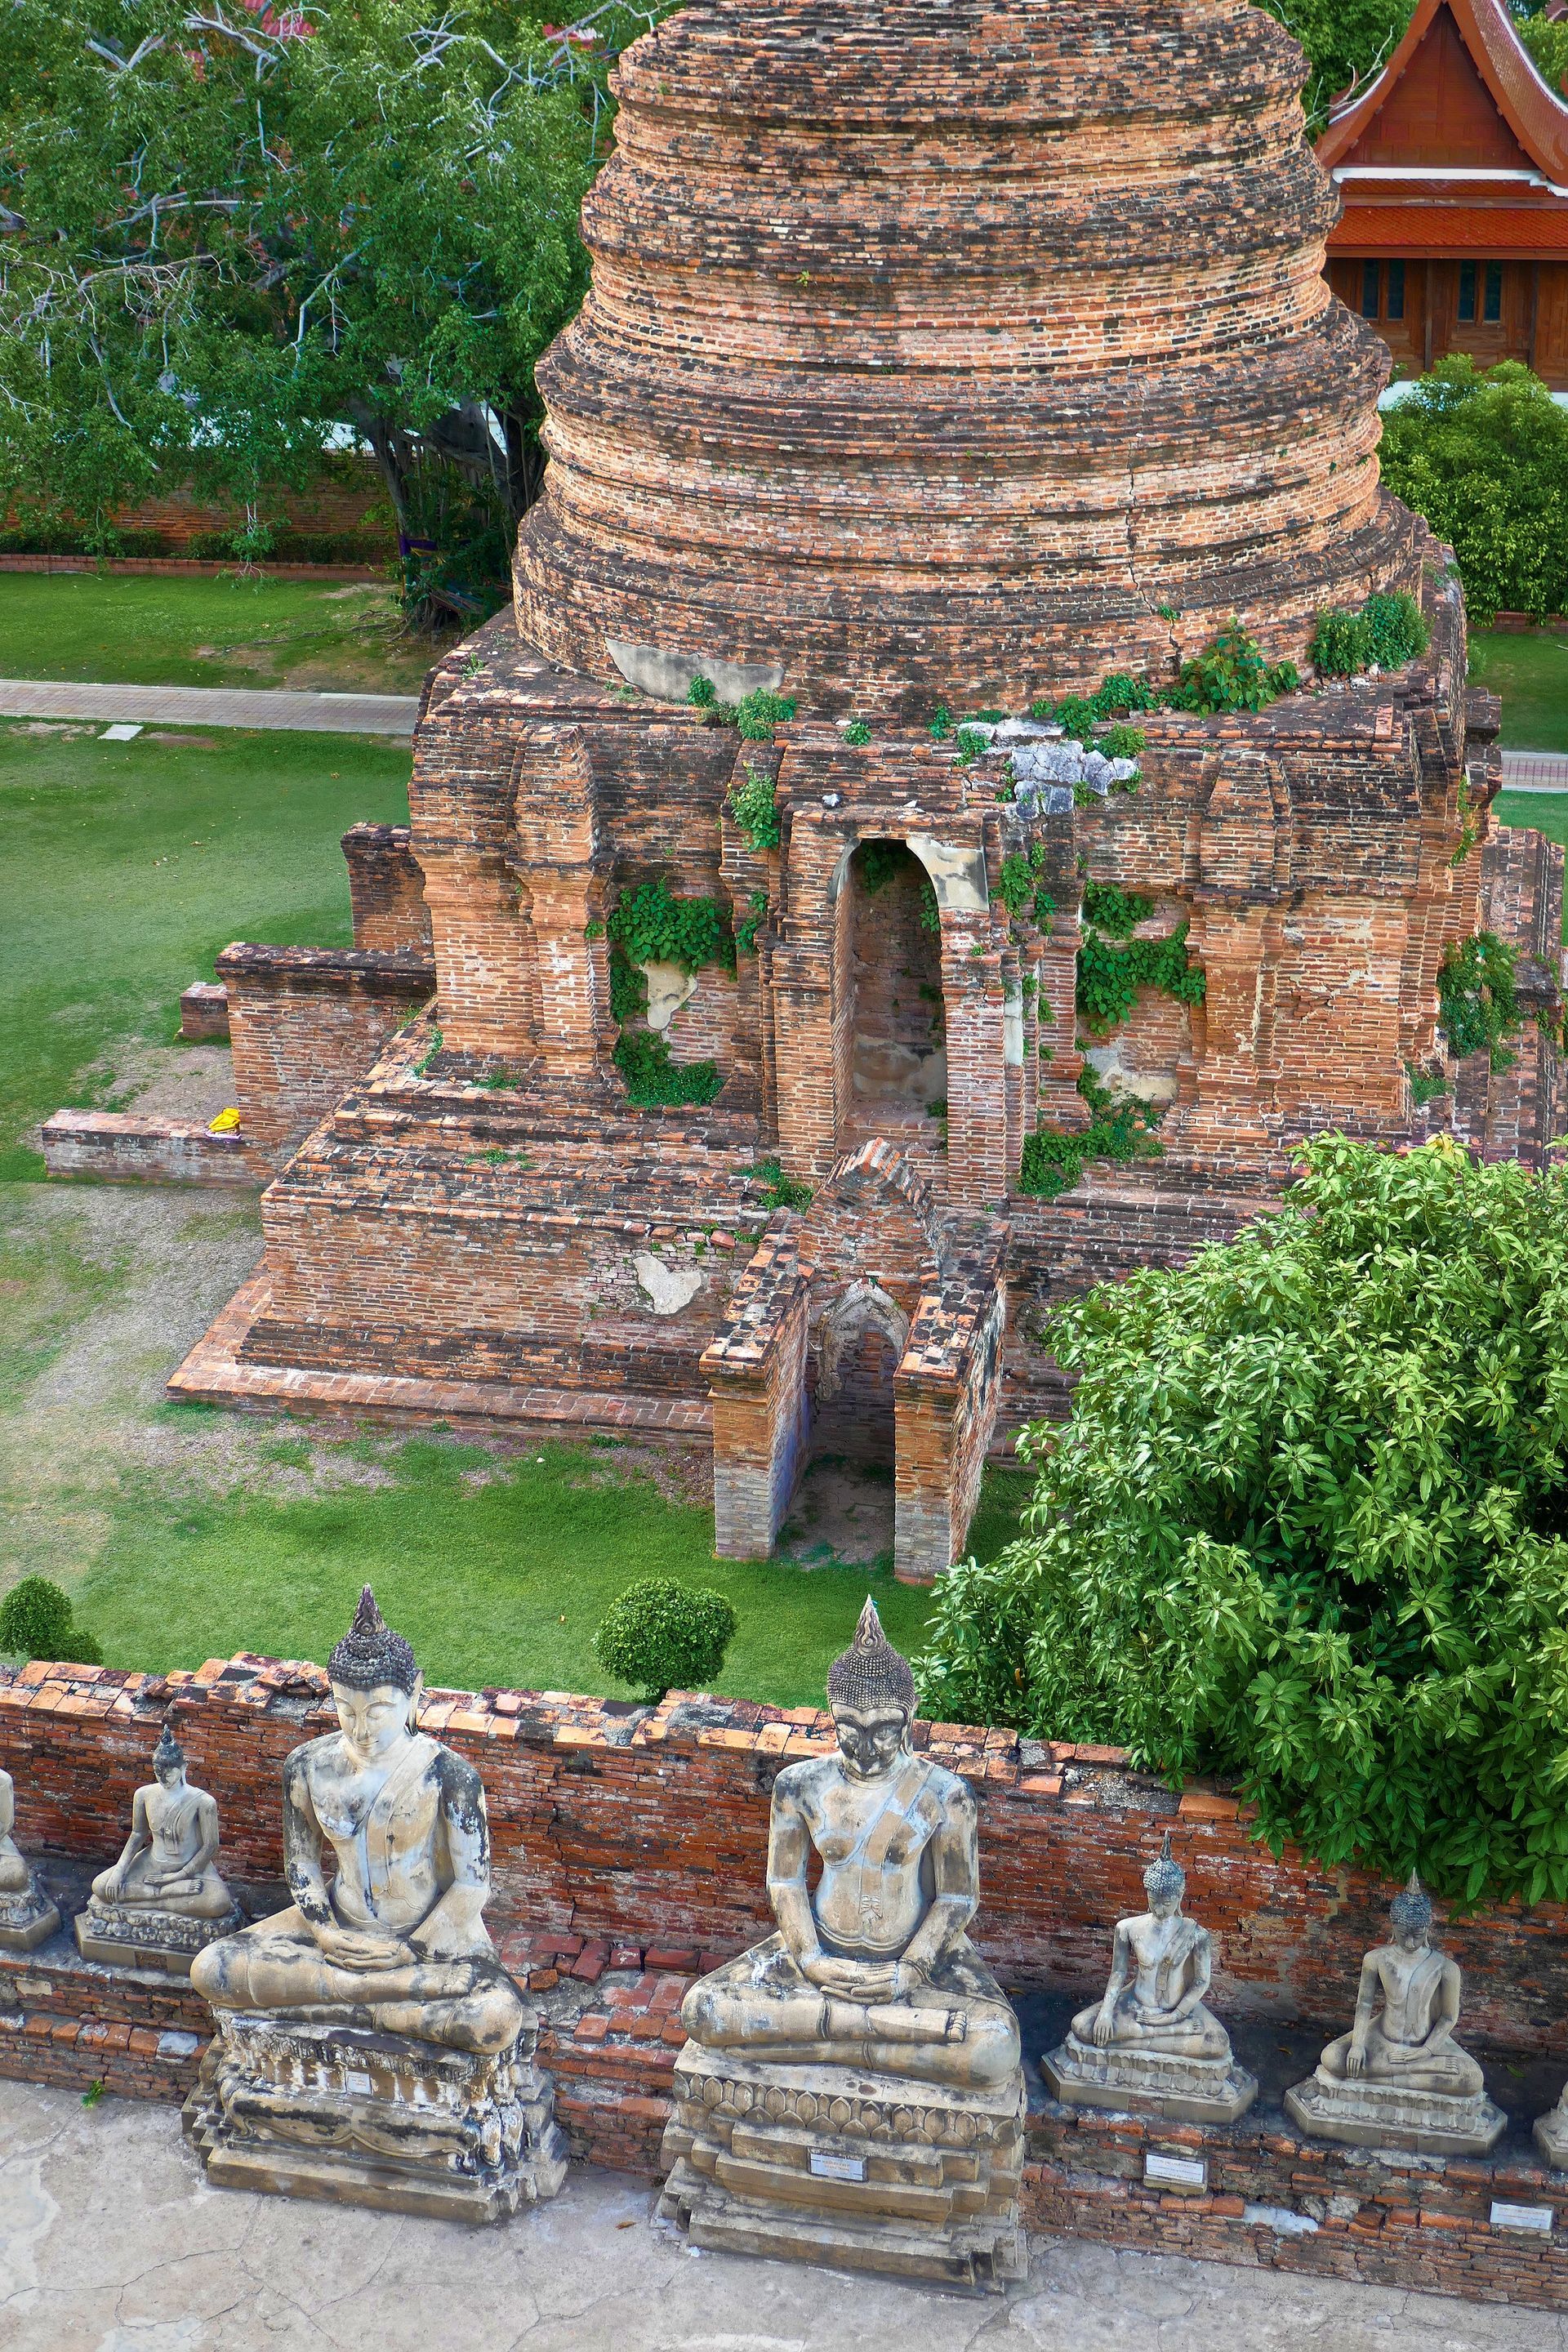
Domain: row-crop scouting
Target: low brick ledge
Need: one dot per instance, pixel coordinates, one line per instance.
(216, 1372)
(335, 970)
(116, 1147)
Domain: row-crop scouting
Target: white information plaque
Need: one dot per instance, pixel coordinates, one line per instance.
(837, 2167)
(1176, 2171)
(1535, 2218)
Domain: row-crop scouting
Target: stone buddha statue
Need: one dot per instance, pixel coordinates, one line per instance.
(874, 1968)
(869, 2003)
(164, 1899)
(398, 1940)
(1151, 2042)
(371, 2044)
(26, 1915)
(1399, 2079)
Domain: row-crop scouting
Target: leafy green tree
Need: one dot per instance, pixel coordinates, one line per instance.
(1346, 43)
(230, 231)
(1483, 455)
(1307, 1525)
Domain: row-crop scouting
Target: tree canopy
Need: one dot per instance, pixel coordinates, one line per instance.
(1307, 1525)
(1483, 455)
(1346, 43)
(228, 231)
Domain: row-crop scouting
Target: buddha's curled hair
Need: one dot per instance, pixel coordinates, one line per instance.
(371, 1653)
(872, 1673)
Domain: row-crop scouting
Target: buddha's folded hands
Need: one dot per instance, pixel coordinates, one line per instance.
(364, 1947)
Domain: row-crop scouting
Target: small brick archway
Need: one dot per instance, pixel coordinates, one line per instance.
(873, 1262)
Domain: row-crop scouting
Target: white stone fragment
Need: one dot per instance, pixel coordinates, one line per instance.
(668, 1288)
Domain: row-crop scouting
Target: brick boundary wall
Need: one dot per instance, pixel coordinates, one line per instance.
(162, 567)
(116, 1147)
(634, 1825)
(629, 1856)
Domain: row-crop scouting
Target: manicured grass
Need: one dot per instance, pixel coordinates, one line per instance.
(213, 631)
(497, 1572)
(127, 866)
(1544, 812)
(1530, 673)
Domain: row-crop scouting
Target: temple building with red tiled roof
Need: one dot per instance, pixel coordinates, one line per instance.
(1452, 168)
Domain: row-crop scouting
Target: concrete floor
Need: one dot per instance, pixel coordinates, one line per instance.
(111, 2242)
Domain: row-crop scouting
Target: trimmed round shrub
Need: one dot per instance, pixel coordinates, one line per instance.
(660, 1637)
(1307, 1525)
(36, 1622)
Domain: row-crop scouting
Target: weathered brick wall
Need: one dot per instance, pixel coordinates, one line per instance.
(116, 1147)
(386, 892)
(338, 503)
(306, 1024)
(613, 1823)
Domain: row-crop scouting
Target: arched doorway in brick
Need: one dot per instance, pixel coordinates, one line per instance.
(897, 1045)
(856, 1345)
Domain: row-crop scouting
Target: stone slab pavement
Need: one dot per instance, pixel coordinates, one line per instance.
(210, 706)
(110, 2241)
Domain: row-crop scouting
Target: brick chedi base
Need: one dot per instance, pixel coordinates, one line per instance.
(932, 361)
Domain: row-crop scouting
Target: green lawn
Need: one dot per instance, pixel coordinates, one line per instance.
(1530, 673)
(1544, 812)
(496, 1583)
(214, 631)
(128, 866)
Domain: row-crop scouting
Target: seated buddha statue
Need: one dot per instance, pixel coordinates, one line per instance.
(1399, 2078)
(872, 1970)
(1406, 2009)
(1151, 2042)
(397, 1942)
(26, 1915)
(15, 1878)
(1161, 1964)
(165, 1884)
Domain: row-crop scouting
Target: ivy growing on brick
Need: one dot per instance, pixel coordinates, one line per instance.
(652, 927)
(1020, 889)
(753, 804)
(1121, 1128)
(1110, 976)
(752, 922)
(656, 1081)
(1477, 1002)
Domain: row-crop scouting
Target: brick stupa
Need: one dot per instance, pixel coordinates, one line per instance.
(934, 357)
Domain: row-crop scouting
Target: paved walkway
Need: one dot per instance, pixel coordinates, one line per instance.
(391, 714)
(111, 2242)
(210, 706)
(1535, 771)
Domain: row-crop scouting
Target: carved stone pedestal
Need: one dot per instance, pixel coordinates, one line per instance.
(374, 2119)
(1385, 2114)
(27, 1918)
(1148, 2082)
(1551, 2133)
(138, 1936)
(871, 2172)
